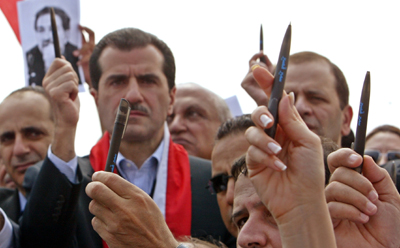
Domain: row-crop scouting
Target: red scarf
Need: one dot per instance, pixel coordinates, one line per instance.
(178, 213)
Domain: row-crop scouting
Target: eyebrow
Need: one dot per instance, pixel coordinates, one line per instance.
(237, 214)
(148, 75)
(33, 128)
(243, 211)
(116, 76)
(7, 133)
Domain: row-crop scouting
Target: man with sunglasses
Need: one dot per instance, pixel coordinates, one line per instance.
(230, 145)
(383, 144)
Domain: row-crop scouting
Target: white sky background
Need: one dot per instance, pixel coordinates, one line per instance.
(212, 42)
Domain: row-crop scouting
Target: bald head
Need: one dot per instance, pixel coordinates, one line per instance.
(26, 131)
(197, 115)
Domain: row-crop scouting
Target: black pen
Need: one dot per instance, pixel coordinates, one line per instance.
(56, 42)
(359, 143)
(121, 120)
(279, 80)
(262, 59)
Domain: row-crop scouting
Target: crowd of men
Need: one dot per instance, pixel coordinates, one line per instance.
(264, 192)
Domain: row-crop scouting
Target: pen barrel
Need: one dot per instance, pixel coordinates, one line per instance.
(273, 107)
(262, 59)
(279, 80)
(56, 41)
(114, 147)
(119, 128)
(362, 121)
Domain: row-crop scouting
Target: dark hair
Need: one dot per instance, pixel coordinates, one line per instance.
(61, 13)
(127, 39)
(342, 88)
(35, 89)
(239, 167)
(235, 125)
(383, 128)
(207, 241)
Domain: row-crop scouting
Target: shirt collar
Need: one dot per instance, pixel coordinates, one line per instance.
(157, 154)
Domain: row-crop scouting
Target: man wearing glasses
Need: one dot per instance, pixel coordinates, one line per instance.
(230, 145)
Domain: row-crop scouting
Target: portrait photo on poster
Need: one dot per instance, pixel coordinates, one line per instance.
(34, 18)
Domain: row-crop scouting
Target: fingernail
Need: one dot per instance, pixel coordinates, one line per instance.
(353, 158)
(292, 98)
(274, 147)
(255, 67)
(371, 207)
(373, 196)
(364, 218)
(280, 165)
(265, 120)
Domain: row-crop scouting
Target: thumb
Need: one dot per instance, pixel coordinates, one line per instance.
(379, 177)
(291, 122)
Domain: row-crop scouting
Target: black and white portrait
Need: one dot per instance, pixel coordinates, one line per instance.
(37, 36)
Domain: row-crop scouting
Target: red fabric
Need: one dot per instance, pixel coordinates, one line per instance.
(179, 193)
(9, 8)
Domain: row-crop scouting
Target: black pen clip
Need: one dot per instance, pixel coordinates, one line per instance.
(359, 143)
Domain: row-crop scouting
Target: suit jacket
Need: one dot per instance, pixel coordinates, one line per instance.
(9, 202)
(36, 71)
(57, 213)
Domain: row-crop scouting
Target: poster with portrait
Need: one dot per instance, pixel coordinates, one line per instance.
(37, 37)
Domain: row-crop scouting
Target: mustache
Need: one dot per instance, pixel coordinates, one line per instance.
(47, 42)
(141, 108)
(26, 159)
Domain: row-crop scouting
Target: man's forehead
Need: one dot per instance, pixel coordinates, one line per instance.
(25, 107)
(148, 53)
(223, 156)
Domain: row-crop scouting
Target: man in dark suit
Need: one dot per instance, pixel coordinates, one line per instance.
(40, 57)
(137, 66)
(26, 130)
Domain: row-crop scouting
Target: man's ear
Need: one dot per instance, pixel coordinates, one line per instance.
(347, 116)
(95, 95)
(172, 93)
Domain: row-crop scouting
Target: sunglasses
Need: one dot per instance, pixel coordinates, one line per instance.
(376, 155)
(218, 183)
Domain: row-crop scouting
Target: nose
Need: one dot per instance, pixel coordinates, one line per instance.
(251, 236)
(133, 93)
(48, 34)
(302, 106)
(229, 191)
(21, 147)
(382, 159)
(177, 124)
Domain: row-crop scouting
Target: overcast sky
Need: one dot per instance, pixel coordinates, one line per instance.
(213, 41)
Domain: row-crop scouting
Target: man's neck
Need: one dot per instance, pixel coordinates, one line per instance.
(22, 190)
(138, 152)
